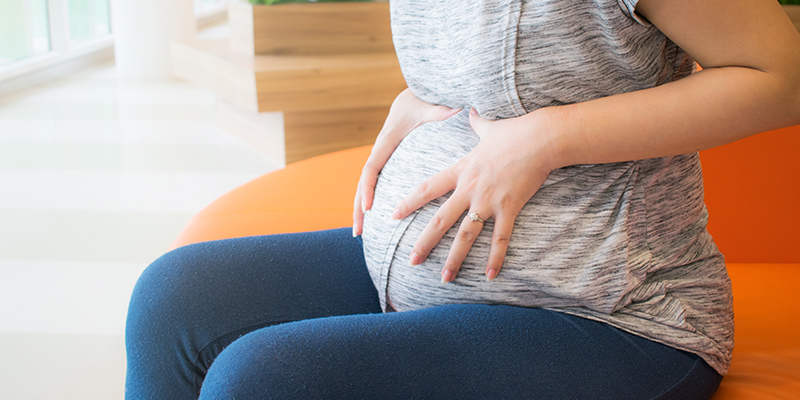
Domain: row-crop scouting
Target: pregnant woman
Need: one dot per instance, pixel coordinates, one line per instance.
(530, 223)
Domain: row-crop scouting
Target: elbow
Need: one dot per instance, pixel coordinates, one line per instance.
(784, 69)
(785, 99)
(794, 100)
(791, 89)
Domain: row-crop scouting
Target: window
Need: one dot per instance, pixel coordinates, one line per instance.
(31, 27)
(24, 29)
(39, 34)
(58, 35)
(88, 19)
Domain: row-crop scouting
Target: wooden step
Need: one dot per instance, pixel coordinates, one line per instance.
(326, 82)
(293, 107)
(311, 28)
(291, 136)
(265, 83)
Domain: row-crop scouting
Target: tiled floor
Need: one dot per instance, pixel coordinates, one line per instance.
(97, 176)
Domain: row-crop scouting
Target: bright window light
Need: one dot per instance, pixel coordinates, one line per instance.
(88, 19)
(24, 29)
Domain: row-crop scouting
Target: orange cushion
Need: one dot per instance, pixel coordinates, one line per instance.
(766, 359)
(753, 197)
(318, 194)
(312, 194)
(752, 193)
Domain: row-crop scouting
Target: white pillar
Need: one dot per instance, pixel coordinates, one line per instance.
(143, 31)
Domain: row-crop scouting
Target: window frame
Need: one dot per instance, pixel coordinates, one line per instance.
(62, 49)
(66, 56)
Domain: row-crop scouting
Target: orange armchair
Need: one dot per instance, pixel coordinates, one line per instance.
(753, 196)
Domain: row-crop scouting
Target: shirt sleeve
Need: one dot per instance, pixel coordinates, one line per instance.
(628, 8)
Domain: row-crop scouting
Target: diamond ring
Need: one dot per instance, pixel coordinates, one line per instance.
(475, 217)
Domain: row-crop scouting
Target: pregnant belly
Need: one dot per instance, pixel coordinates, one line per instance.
(570, 246)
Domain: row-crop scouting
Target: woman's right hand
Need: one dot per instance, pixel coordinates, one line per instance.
(407, 113)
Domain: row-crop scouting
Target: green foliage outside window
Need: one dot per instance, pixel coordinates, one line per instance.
(789, 1)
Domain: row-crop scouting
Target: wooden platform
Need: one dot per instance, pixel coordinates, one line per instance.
(294, 106)
(264, 83)
(326, 28)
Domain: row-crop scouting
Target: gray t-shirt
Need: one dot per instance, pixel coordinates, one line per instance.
(623, 243)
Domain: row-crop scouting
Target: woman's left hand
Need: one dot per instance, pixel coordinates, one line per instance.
(495, 180)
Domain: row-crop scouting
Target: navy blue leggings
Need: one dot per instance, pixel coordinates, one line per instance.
(296, 316)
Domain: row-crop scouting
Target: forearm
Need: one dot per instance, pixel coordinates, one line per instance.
(708, 109)
(751, 83)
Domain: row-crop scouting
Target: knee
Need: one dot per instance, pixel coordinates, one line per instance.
(253, 367)
(165, 295)
(159, 339)
(299, 360)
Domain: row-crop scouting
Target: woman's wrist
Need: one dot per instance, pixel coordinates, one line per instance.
(562, 128)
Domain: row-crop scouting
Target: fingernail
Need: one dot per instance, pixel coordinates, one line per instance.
(363, 205)
(473, 111)
(396, 214)
(354, 231)
(491, 274)
(413, 259)
(447, 275)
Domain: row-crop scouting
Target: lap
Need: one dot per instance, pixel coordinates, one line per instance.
(194, 301)
(298, 317)
(263, 279)
(455, 351)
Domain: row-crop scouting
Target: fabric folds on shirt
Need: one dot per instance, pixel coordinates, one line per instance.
(622, 243)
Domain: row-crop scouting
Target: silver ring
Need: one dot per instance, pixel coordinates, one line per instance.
(474, 216)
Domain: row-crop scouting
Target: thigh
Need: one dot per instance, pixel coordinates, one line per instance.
(458, 351)
(192, 302)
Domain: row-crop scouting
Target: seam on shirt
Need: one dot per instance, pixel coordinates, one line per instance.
(509, 59)
(387, 260)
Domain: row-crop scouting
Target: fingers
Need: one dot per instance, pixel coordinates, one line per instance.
(365, 192)
(406, 113)
(369, 177)
(471, 226)
(363, 199)
(358, 215)
(501, 236)
(473, 115)
(469, 230)
(433, 188)
(445, 217)
(440, 113)
(481, 126)
(476, 122)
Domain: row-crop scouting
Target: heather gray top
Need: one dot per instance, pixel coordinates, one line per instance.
(623, 243)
